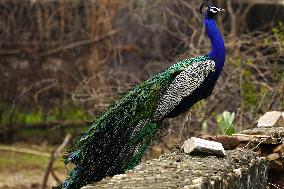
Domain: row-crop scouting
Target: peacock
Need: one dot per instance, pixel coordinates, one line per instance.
(118, 138)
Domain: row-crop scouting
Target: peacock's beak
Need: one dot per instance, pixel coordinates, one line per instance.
(222, 10)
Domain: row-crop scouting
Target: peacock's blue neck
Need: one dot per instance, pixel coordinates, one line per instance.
(217, 52)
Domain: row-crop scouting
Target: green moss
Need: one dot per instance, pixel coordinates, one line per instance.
(250, 95)
(249, 61)
(278, 31)
(66, 111)
(34, 117)
(235, 61)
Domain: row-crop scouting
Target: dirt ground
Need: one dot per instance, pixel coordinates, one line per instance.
(25, 179)
(26, 171)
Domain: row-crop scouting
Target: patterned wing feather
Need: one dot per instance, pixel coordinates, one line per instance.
(183, 85)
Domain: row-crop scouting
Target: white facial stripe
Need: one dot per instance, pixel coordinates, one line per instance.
(215, 9)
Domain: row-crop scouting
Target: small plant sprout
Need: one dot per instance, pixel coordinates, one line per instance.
(225, 123)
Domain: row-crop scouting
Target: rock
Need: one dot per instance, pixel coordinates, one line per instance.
(279, 148)
(273, 157)
(266, 141)
(279, 163)
(228, 142)
(265, 135)
(271, 119)
(201, 146)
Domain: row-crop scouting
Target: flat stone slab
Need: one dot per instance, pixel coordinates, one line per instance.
(271, 119)
(265, 135)
(239, 169)
(201, 146)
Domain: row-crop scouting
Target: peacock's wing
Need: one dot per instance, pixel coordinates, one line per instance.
(184, 85)
(119, 137)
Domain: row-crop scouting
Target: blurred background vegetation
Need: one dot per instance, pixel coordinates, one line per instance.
(63, 62)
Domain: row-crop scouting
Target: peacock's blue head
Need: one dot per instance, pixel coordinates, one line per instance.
(212, 11)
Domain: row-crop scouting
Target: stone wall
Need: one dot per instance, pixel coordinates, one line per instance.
(238, 169)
